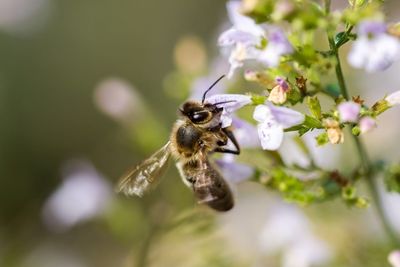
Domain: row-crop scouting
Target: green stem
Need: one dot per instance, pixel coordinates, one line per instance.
(362, 152)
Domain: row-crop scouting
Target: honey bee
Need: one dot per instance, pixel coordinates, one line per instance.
(194, 136)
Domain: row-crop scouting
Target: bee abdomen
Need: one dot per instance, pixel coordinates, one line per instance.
(208, 185)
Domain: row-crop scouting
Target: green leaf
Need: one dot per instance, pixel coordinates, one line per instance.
(312, 123)
(314, 106)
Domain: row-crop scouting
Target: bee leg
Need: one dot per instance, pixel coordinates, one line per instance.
(226, 150)
(231, 137)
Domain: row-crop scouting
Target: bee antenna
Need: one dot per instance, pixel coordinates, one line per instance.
(205, 93)
(224, 102)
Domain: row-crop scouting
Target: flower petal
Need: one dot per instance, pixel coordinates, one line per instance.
(271, 134)
(233, 36)
(230, 103)
(234, 171)
(285, 116)
(349, 111)
(393, 98)
(242, 22)
(245, 133)
(367, 124)
(262, 113)
(233, 101)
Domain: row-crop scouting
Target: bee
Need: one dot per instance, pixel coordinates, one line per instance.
(194, 136)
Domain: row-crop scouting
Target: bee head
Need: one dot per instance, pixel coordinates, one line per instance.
(199, 113)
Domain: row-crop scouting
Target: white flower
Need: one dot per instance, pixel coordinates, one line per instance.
(272, 121)
(230, 103)
(374, 49)
(394, 258)
(349, 111)
(243, 40)
(278, 45)
(393, 98)
(83, 194)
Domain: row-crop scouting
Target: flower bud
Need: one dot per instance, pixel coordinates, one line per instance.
(380, 106)
(278, 94)
(349, 111)
(367, 124)
(393, 98)
(334, 132)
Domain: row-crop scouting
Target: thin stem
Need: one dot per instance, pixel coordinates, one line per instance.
(362, 152)
(145, 249)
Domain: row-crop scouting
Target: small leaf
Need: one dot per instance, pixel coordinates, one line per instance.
(314, 106)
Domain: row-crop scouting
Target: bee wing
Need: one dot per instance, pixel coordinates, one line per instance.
(143, 177)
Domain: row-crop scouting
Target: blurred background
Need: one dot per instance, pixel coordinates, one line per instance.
(90, 88)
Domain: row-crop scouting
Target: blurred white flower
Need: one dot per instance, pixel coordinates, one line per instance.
(230, 103)
(300, 250)
(374, 49)
(272, 121)
(393, 98)
(349, 111)
(394, 258)
(278, 46)
(117, 99)
(23, 16)
(307, 252)
(83, 194)
(367, 124)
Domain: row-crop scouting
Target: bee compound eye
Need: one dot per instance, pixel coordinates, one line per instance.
(199, 116)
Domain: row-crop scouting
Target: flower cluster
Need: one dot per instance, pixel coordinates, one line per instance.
(295, 83)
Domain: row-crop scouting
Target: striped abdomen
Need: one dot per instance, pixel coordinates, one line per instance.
(208, 185)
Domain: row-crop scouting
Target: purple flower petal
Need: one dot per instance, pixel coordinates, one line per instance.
(233, 36)
(230, 103)
(233, 171)
(242, 22)
(246, 134)
(374, 49)
(278, 45)
(285, 116)
(368, 27)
